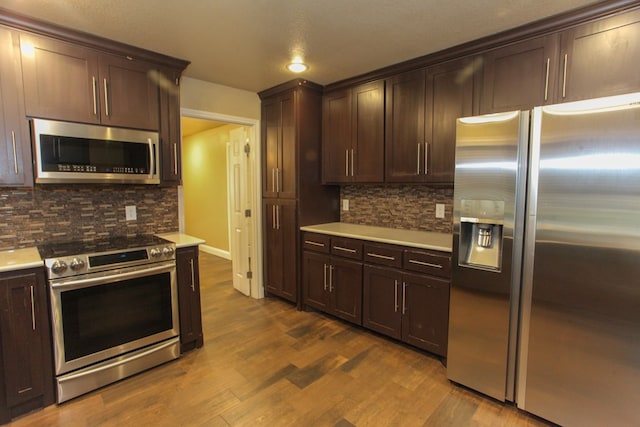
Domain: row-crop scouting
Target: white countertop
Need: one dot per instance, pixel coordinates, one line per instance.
(19, 259)
(418, 239)
(181, 240)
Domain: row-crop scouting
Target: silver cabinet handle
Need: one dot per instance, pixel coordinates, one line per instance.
(331, 278)
(15, 152)
(426, 158)
(352, 156)
(95, 96)
(33, 311)
(273, 180)
(418, 157)
(427, 264)
(312, 243)
(340, 248)
(273, 217)
(546, 81)
(389, 258)
(404, 298)
(278, 217)
(395, 296)
(346, 162)
(175, 158)
(106, 98)
(564, 76)
(324, 270)
(152, 158)
(278, 189)
(193, 276)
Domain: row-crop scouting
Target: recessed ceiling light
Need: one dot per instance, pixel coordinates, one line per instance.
(297, 67)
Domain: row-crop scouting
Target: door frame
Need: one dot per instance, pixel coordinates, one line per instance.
(257, 288)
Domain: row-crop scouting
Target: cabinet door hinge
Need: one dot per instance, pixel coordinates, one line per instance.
(247, 213)
(249, 275)
(247, 148)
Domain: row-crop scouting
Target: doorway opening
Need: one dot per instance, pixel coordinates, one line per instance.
(218, 200)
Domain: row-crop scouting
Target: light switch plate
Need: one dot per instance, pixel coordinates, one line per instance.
(345, 204)
(439, 210)
(130, 213)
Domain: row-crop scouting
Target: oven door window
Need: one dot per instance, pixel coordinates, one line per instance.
(101, 317)
(69, 154)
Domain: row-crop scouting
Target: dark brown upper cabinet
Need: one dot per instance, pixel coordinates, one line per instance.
(405, 127)
(450, 89)
(170, 135)
(279, 146)
(520, 76)
(421, 108)
(72, 82)
(353, 134)
(15, 146)
(600, 58)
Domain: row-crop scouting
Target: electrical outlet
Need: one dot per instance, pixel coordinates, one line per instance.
(130, 213)
(439, 210)
(345, 204)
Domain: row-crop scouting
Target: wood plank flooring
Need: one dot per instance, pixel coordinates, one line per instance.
(266, 364)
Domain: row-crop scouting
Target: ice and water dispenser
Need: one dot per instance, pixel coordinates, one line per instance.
(481, 226)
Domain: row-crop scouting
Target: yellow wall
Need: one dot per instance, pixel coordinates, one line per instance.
(204, 176)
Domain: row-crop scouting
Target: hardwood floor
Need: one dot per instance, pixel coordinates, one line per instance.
(265, 363)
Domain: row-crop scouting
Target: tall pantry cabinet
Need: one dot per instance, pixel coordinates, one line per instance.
(292, 193)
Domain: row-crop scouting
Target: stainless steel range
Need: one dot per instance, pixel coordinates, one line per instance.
(114, 309)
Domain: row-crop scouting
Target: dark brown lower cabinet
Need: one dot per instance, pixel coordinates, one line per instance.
(26, 361)
(410, 307)
(398, 291)
(333, 285)
(280, 269)
(189, 298)
(381, 306)
(425, 318)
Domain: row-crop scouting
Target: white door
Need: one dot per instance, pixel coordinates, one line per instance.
(240, 209)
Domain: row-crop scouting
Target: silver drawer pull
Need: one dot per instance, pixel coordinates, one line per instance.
(427, 264)
(309, 242)
(340, 248)
(390, 258)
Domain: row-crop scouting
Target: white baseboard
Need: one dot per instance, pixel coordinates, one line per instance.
(215, 251)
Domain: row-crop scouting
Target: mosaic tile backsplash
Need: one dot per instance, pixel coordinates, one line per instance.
(53, 213)
(410, 207)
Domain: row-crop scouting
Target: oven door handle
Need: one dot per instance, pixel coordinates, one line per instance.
(113, 276)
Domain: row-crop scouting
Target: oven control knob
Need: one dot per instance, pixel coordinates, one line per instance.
(76, 264)
(155, 252)
(167, 251)
(58, 267)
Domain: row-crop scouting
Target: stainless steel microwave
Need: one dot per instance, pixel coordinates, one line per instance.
(81, 153)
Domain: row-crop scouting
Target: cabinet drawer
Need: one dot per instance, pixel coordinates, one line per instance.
(383, 255)
(316, 242)
(433, 263)
(347, 248)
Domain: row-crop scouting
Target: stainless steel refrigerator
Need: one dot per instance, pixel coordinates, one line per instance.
(545, 296)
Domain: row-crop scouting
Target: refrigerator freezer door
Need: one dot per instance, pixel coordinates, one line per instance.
(490, 160)
(580, 337)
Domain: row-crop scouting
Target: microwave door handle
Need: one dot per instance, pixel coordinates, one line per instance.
(152, 159)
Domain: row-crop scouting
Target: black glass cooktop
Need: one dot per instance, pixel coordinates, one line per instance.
(98, 246)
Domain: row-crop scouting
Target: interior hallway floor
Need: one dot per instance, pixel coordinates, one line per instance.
(266, 364)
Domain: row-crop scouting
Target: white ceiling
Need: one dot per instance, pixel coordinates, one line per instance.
(246, 43)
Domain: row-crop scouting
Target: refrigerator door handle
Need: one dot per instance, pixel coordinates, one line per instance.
(526, 292)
